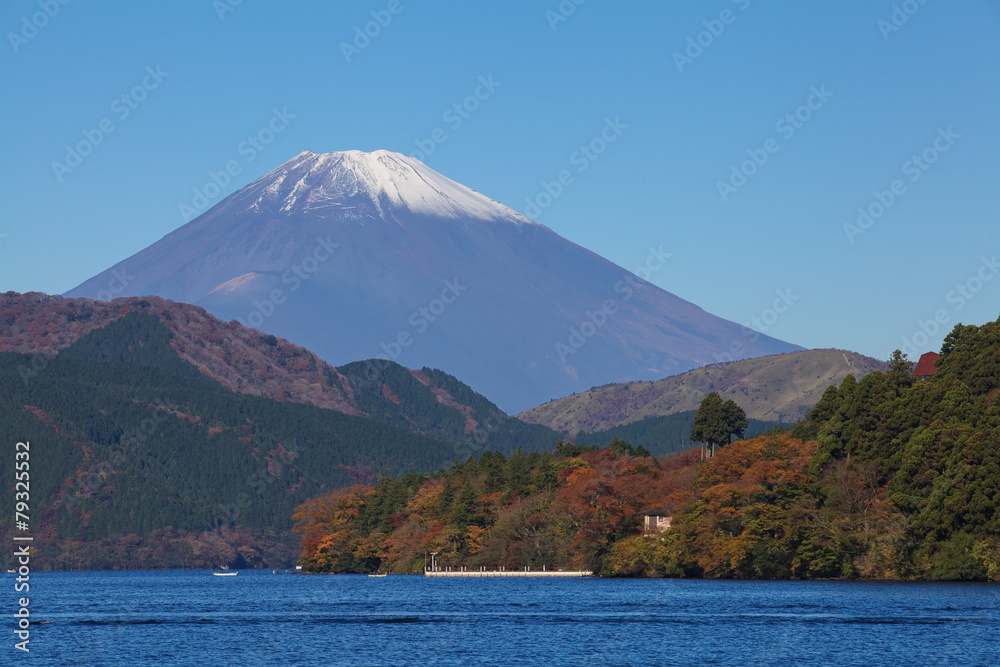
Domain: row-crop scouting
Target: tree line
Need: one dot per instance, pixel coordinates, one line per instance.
(889, 477)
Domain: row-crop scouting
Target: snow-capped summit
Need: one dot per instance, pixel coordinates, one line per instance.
(360, 255)
(386, 180)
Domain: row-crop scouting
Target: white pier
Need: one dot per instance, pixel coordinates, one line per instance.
(507, 573)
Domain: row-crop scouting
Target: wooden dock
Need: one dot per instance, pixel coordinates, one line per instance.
(507, 573)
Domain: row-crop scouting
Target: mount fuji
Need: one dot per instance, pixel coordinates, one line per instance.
(360, 255)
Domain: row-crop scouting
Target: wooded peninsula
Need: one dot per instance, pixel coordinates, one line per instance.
(893, 477)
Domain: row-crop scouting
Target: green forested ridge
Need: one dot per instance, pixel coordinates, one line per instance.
(390, 393)
(934, 446)
(428, 401)
(197, 438)
(128, 439)
(405, 395)
(889, 477)
(136, 338)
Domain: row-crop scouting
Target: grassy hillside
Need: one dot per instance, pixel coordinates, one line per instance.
(779, 388)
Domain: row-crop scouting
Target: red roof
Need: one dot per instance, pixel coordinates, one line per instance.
(926, 364)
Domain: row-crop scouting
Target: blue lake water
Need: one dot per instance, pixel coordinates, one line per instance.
(258, 618)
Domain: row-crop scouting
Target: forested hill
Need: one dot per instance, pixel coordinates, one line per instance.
(426, 401)
(932, 448)
(138, 459)
(889, 477)
(564, 509)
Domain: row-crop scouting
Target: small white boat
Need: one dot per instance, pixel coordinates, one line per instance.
(225, 574)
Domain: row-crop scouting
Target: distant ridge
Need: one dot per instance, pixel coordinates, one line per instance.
(779, 388)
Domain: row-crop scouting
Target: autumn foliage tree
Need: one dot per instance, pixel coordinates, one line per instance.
(888, 477)
(564, 509)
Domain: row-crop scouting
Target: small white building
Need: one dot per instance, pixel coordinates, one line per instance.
(658, 520)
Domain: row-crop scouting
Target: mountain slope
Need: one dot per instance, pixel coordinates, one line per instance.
(124, 450)
(427, 401)
(781, 388)
(239, 358)
(356, 255)
(134, 444)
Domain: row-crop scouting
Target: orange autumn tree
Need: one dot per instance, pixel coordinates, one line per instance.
(332, 540)
(560, 510)
(406, 545)
(604, 498)
(749, 515)
(752, 511)
(640, 554)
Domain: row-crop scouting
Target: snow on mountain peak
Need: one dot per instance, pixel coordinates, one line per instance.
(313, 181)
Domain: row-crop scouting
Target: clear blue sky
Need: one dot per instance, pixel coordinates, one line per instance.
(897, 88)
